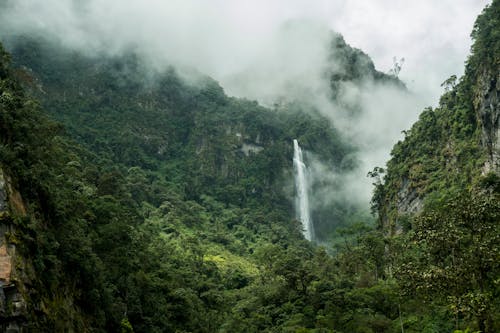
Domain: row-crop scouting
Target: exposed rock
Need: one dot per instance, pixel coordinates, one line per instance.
(487, 105)
(12, 303)
(3, 193)
(408, 200)
(13, 327)
(248, 148)
(5, 265)
(201, 145)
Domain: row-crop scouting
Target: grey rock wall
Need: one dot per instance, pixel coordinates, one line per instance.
(487, 104)
(3, 193)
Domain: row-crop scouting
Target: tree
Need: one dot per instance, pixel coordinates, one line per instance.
(396, 67)
(452, 256)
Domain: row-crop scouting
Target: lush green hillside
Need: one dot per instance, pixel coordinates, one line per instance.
(163, 206)
(159, 204)
(191, 137)
(454, 146)
(187, 134)
(438, 201)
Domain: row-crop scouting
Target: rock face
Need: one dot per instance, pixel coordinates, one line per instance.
(248, 148)
(5, 265)
(487, 105)
(487, 109)
(408, 200)
(3, 193)
(12, 302)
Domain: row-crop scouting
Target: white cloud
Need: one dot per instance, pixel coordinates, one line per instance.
(433, 36)
(221, 37)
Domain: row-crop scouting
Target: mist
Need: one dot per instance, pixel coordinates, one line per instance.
(274, 51)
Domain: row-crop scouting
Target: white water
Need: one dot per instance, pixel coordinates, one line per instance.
(302, 196)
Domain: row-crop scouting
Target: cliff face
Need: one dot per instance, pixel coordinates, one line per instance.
(487, 105)
(13, 309)
(409, 201)
(454, 146)
(487, 111)
(33, 290)
(483, 68)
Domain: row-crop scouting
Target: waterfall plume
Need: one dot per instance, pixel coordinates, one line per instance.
(302, 196)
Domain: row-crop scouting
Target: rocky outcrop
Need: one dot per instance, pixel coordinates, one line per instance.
(5, 265)
(248, 148)
(486, 103)
(12, 302)
(487, 106)
(409, 201)
(3, 193)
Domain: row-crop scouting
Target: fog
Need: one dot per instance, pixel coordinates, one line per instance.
(224, 37)
(277, 50)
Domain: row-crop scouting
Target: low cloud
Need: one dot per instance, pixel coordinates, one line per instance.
(223, 37)
(277, 50)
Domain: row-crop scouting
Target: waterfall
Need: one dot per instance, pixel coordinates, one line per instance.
(302, 196)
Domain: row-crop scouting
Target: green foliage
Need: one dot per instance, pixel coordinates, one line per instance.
(54, 235)
(188, 137)
(485, 51)
(356, 66)
(443, 250)
(159, 206)
(451, 256)
(443, 152)
(162, 218)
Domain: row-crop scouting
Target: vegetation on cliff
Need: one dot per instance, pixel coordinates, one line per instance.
(439, 199)
(156, 204)
(160, 206)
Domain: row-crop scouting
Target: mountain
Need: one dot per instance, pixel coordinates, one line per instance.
(142, 200)
(155, 203)
(438, 202)
(188, 131)
(454, 146)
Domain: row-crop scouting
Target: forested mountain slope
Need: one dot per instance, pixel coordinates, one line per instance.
(188, 132)
(438, 202)
(454, 146)
(159, 204)
(162, 205)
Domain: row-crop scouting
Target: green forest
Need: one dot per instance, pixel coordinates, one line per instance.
(134, 200)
